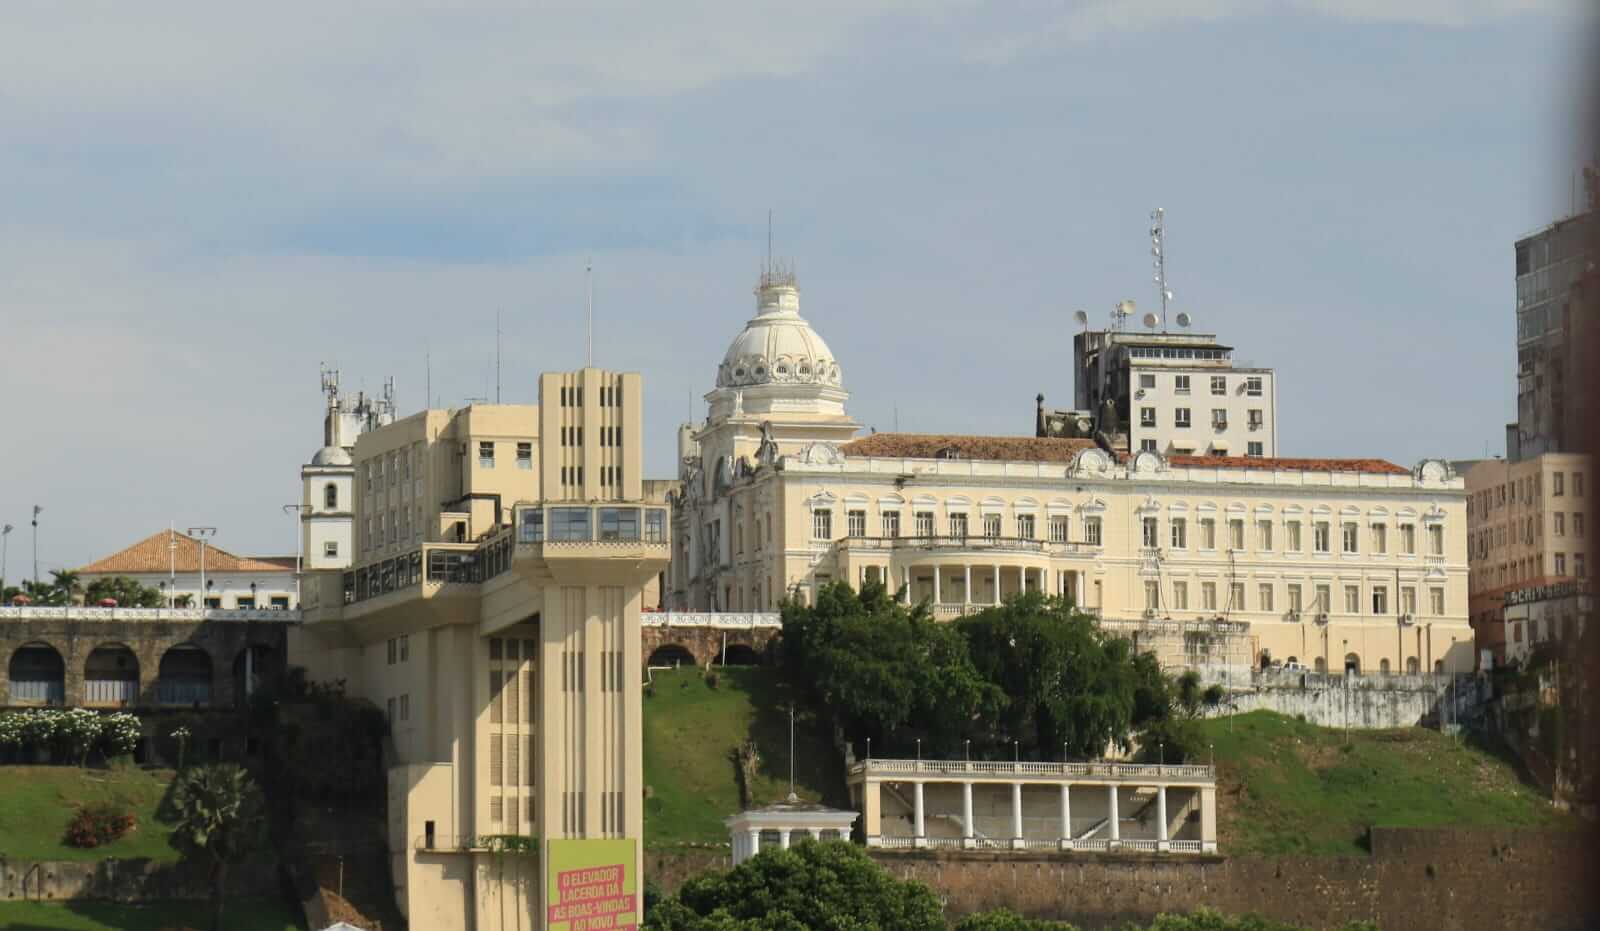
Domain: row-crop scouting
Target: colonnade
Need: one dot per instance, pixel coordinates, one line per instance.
(1063, 582)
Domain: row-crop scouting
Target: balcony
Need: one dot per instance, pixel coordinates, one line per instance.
(719, 620)
(179, 615)
(936, 545)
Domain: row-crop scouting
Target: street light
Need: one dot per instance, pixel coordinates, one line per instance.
(969, 751)
(36, 510)
(202, 534)
(5, 538)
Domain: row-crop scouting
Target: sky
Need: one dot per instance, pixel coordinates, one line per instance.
(203, 203)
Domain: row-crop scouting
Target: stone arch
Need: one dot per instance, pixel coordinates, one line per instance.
(1352, 664)
(184, 676)
(1320, 666)
(38, 675)
(1412, 666)
(1383, 666)
(739, 654)
(111, 675)
(671, 654)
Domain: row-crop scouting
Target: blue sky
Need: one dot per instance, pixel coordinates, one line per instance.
(203, 204)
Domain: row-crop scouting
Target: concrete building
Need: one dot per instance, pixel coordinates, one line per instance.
(502, 559)
(327, 481)
(1553, 409)
(1349, 564)
(1544, 611)
(1527, 524)
(1173, 393)
(772, 827)
(189, 567)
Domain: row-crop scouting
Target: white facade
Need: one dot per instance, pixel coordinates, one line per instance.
(327, 505)
(1188, 410)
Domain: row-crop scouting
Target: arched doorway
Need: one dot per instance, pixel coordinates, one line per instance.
(111, 676)
(184, 677)
(1321, 666)
(740, 654)
(38, 675)
(671, 655)
(251, 669)
(1352, 664)
(1412, 666)
(1383, 666)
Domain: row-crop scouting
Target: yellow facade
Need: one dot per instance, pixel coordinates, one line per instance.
(504, 553)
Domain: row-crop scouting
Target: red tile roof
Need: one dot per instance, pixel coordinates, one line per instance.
(153, 554)
(1379, 466)
(933, 445)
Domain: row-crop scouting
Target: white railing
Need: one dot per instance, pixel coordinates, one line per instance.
(1116, 771)
(1036, 843)
(1146, 845)
(192, 615)
(721, 620)
(1092, 844)
(1187, 846)
(952, 842)
(896, 842)
(110, 691)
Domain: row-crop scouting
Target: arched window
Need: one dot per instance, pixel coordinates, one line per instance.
(330, 496)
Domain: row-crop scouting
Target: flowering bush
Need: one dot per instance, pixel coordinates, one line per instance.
(119, 734)
(94, 825)
(74, 731)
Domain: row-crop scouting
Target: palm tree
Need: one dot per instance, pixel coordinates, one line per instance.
(66, 582)
(219, 821)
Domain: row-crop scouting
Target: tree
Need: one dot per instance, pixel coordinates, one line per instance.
(126, 592)
(811, 885)
(66, 583)
(219, 818)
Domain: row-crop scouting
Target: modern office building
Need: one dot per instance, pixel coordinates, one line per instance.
(1553, 409)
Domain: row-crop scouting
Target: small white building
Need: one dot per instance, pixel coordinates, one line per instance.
(775, 826)
(177, 564)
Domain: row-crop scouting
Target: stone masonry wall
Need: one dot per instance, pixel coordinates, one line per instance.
(703, 643)
(127, 880)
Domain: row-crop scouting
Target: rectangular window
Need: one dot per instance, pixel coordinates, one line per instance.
(1025, 526)
(1147, 446)
(1264, 535)
(1147, 416)
(1577, 524)
(1236, 596)
(1558, 484)
(958, 526)
(1152, 596)
(525, 456)
(405, 648)
(394, 650)
(1324, 600)
(330, 548)
(495, 683)
(1152, 531)
(1561, 563)
(924, 523)
(1352, 599)
(1380, 539)
(1319, 535)
(1408, 539)
(1351, 541)
(1091, 531)
(1147, 380)
(1059, 530)
(1578, 567)
(1264, 596)
(1180, 417)
(569, 524)
(1236, 533)
(1219, 418)
(1558, 524)
(496, 763)
(1208, 596)
(1292, 531)
(1252, 386)
(991, 525)
(245, 602)
(1180, 535)
(655, 525)
(1180, 384)
(1208, 533)
(486, 455)
(1180, 596)
(619, 523)
(1294, 598)
(857, 523)
(1436, 600)
(1577, 484)
(1380, 599)
(822, 524)
(1219, 384)
(1408, 600)
(1254, 449)
(891, 524)
(1436, 539)
(405, 707)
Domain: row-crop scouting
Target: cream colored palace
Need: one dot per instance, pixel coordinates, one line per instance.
(1354, 565)
(502, 556)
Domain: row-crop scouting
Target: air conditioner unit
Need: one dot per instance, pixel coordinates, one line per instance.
(1407, 619)
(1292, 616)
(1322, 617)
(1149, 613)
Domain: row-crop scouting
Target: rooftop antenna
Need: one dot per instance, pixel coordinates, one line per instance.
(427, 374)
(588, 284)
(1158, 233)
(497, 357)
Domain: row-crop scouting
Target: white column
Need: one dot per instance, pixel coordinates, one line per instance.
(996, 569)
(967, 595)
(816, 833)
(1115, 819)
(1016, 814)
(1077, 578)
(1161, 817)
(937, 599)
(918, 814)
(1066, 816)
(783, 838)
(905, 582)
(752, 843)
(968, 834)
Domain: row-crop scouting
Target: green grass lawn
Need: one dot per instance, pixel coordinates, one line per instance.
(1288, 787)
(690, 733)
(238, 915)
(36, 802)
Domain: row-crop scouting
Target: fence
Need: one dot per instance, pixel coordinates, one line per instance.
(110, 691)
(39, 690)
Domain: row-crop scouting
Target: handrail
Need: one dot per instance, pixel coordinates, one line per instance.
(1094, 770)
(730, 620)
(86, 613)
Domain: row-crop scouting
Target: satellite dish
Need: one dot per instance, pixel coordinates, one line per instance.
(1125, 309)
(1082, 318)
(1150, 320)
(1184, 320)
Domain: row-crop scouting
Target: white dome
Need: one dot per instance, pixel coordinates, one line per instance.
(778, 346)
(331, 456)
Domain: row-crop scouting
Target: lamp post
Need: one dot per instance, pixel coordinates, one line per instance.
(297, 510)
(969, 751)
(202, 534)
(36, 510)
(5, 538)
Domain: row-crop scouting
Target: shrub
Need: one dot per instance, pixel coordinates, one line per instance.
(97, 825)
(712, 681)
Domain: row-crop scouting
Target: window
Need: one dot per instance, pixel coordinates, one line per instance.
(213, 601)
(1352, 537)
(393, 654)
(1352, 599)
(1380, 538)
(1025, 526)
(1147, 446)
(1264, 596)
(1219, 384)
(822, 524)
(891, 524)
(1219, 418)
(330, 496)
(1264, 535)
(1152, 596)
(1208, 596)
(1059, 530)
(1180, 417)
(1091, 531)
(1252, 386)
(991, 525)
(1577, 484)
(1408, 539)
(1152, 530)
(1324, 599)
(1236, 533)
(1408, 600)
(330, 548)
(857, 523)
(1558, 525)
(1292, 531)
(486, 455)
(1147, 380)
(1254, 450)
(1147, 416)
(958, 526)
(1558, 481)
(1436, 600)
(525, 456)
(1236, 596)
(1180, 537)
(655, 525)
(1293, 591)
(405, 707)
(1380, 599)
(924, 523)
(1208, 533)
(619, 523)
(1578, 567)
(1180, 384)
(1561, 563)
(569, 524)
(1180, 596)
(532, 526)
(1577, 524)
(1436, 539)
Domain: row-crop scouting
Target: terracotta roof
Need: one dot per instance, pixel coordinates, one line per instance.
(932, 445)
(1299, 465)
(152, 554)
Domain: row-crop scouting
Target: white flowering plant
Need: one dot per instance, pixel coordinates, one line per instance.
(73, 731)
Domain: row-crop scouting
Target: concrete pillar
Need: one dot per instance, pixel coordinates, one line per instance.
(752, 843)
(816, 833)
(905, 582)
(967, 594)
(1066, 816)
(996, 569)
(918, 828)
(937, 598)
(1208, 819)
(871, 817)
(968, 832)
(1161, 818)
(1077, 581)
(783, 838)
(1016, 814)
(1114, 818)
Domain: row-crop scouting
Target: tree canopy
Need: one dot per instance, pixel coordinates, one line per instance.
(220, 819)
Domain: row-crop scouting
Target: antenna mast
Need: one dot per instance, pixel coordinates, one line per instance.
(588, 284)
(497, 357)
(1158, 260)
